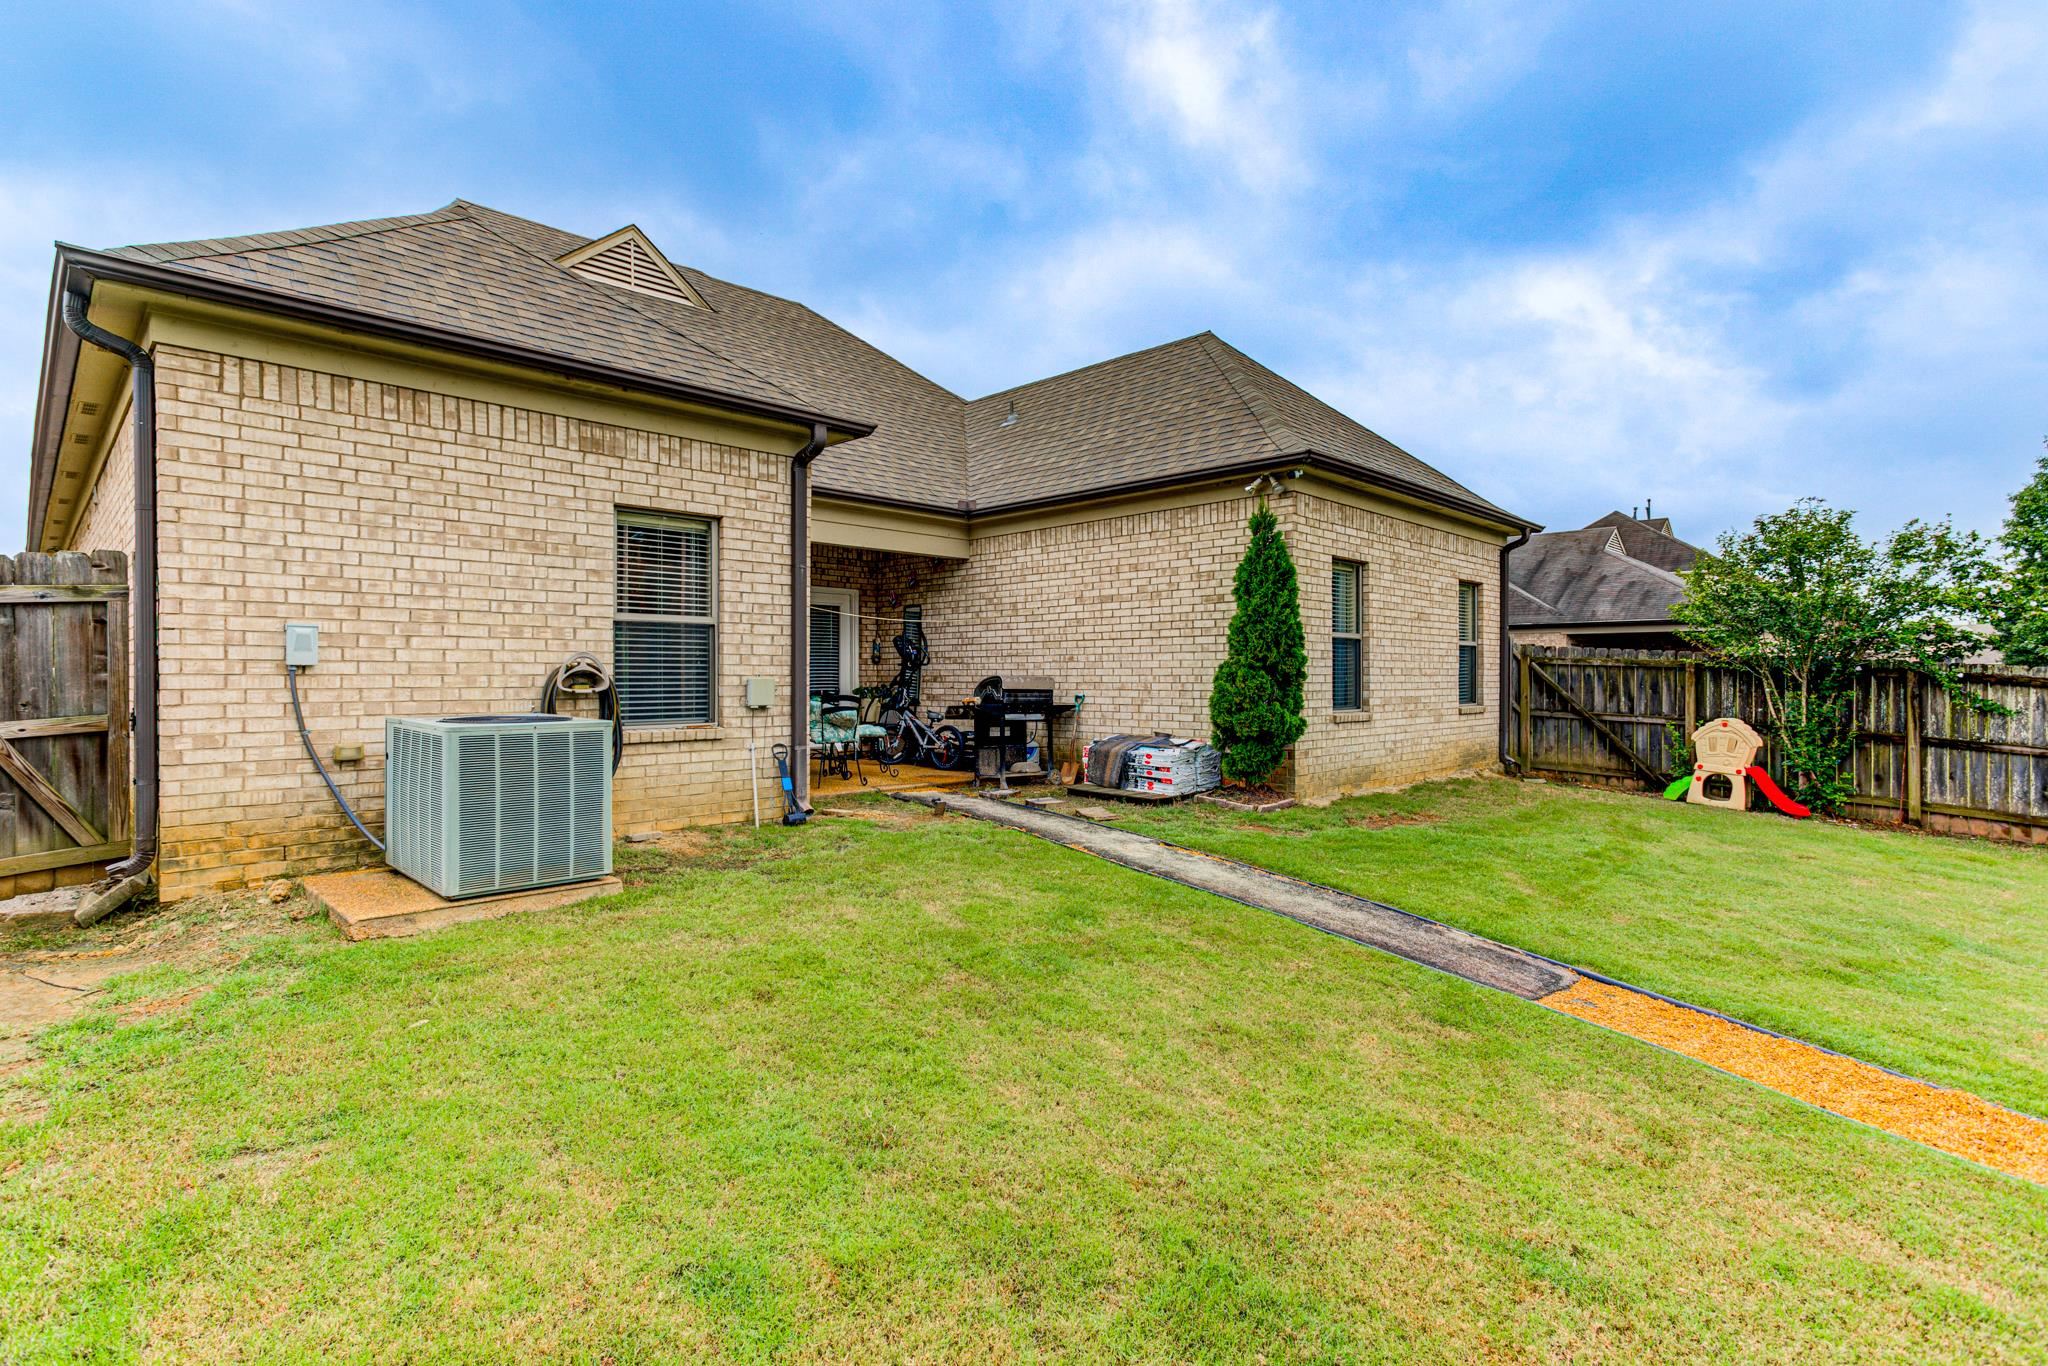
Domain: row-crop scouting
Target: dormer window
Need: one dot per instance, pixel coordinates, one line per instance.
(627, 260)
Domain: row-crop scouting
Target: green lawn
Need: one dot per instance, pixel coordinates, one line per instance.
(937, 1090)
(1924, 954)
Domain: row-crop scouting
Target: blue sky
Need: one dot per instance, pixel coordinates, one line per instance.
(1575, 254)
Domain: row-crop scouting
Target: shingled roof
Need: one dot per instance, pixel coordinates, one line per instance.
(1190, 408)
(1649, 539)
(1588, 577)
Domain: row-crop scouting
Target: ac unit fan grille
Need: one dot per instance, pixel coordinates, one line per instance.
(496, 804)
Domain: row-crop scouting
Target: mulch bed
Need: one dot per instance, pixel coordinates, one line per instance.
(1953, 1121)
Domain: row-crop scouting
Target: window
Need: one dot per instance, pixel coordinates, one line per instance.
(835, 640)
(1468, 644)
(665, 627)
(1347, 636)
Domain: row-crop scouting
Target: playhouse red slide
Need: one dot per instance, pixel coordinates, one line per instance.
(1774, 794)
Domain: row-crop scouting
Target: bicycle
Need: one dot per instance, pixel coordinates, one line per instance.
(908, 738)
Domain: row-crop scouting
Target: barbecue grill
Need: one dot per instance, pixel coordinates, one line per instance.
(1005, 709)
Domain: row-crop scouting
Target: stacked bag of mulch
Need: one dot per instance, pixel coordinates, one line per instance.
(1179, 768)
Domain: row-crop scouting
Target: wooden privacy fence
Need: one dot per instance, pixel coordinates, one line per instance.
(64, 799)
(1922, 756)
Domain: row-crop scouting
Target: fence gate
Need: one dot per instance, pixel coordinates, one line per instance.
(1602, 714)
(64, 743)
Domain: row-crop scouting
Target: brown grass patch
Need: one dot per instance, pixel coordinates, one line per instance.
(1953, 1121)
(896, 815)
(1388, 820)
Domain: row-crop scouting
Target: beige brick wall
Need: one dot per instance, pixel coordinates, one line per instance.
(451, 551)
(1132, 610)
(1411, 726)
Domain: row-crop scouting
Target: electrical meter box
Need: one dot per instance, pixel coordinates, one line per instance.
(301, 645)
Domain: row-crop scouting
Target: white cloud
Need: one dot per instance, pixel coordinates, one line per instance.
(1217, 80)
(1847, 313)
(1074, 301)
(369, 55)
(1464, 50)
(1992, 77)
(1857, 318)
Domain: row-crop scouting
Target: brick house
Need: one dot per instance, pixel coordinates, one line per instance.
(1611, 584)
(443, 438)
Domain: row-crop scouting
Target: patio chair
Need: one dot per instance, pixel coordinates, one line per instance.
(837, 734)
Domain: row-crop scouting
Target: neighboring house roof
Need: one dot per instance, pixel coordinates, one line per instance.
(1589, 577)
(1192, 408)
(1650, 540)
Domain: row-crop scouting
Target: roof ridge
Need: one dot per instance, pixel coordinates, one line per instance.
(1640, 523)
(1659, 571)
(1091, 365)
(1285, 439)
(295, 237)
(1670, 536)
(1618, 548)
(619, 297)
(1514, 587)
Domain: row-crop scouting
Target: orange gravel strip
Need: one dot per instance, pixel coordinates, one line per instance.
(1953, 1121)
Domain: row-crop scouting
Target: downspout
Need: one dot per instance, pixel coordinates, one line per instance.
(1507, 653)
(800, 613)
(142, 569)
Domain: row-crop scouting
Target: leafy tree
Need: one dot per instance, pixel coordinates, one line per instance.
(1255, 704)
(1802, 602)
(2019, 605)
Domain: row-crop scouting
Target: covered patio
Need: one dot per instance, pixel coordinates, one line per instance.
(903, 778)
(873, 582)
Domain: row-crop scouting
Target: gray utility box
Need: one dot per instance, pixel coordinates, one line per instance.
(476, 804)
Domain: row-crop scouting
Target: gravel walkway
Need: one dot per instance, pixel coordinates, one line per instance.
(1938, 1116)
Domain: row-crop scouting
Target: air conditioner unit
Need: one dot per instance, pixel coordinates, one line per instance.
(476, 804)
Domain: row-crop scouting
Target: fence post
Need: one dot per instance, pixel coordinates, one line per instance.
(1916, 751)
(1692, 699)
(1528, 702)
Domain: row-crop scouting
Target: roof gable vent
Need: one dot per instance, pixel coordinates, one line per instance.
(627, 260)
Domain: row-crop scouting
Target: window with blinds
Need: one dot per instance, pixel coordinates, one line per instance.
(827, 646)
(1468, 644)
(665, 626)
(1347, 636)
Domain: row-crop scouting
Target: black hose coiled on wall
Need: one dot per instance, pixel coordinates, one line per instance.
(583, 673)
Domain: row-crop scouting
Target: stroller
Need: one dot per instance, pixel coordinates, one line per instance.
(909, 738)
